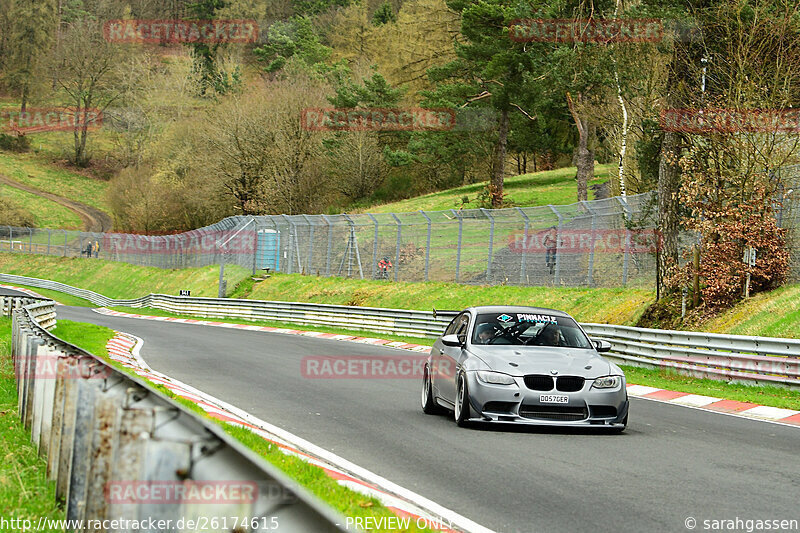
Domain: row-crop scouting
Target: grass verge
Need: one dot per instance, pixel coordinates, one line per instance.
(60, 297)
(671, 380)
(615, 306)
(25, 492)
(120, 280)
(350, 503)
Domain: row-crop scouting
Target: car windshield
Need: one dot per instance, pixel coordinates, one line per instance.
(528, 329)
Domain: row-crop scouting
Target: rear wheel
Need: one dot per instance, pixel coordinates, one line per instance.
(429, 405)
(461, 411)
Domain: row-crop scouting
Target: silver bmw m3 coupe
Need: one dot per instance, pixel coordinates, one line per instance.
(524, 365)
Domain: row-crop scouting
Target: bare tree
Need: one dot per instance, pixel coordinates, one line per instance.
(88, 70)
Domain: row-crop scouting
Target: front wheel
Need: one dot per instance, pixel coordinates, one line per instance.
(461, 411)
(429, 405)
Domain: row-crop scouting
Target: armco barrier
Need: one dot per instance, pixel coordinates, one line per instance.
(731, 357)
(101, 430)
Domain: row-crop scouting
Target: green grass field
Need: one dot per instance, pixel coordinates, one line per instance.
(120, 280)
(25, 492)
(772, 314)
(550, 187)
(31, 169)
(46, 213)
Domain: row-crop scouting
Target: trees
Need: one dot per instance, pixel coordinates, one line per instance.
(490, 71)
(32, 23)
(88, 70)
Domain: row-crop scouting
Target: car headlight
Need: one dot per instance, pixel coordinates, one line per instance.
(607, 382)
(495, 378)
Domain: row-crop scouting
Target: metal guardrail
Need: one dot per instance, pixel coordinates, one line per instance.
(732, 357)
(711, 355)
(108, 436)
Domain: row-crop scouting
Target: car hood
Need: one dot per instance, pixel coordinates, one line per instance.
(542, 360)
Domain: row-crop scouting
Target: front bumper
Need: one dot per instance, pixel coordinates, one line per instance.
(518, 404)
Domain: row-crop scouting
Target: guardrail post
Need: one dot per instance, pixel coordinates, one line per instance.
(590, 272)
(30, 241)
(427, 245)
(374, 247)
(626, 256)
(460, 235)
(397, 251)
(487, 214)
(65, 243)
(523, 266)
(557, 275)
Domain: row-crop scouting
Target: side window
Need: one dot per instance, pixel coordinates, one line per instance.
(463, 325)
(451, 328)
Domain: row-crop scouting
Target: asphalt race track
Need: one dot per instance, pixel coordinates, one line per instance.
(672, 463)
(11, 292)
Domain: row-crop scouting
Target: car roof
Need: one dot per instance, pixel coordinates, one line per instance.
(516, 309)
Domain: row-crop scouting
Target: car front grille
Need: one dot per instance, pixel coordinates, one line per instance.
(539, 382)
(554, 412)
(569, 383)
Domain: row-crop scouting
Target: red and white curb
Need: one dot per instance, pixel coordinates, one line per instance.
(23, 290)
(685, 399)
(718, 405)
(338, 337)
(124, 349)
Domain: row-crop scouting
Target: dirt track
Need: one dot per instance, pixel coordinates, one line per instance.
(93, 219)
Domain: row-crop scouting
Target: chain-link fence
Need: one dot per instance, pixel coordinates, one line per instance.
(605, 243)
(599, 243)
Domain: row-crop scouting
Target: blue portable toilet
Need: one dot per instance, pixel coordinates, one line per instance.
(268, 249)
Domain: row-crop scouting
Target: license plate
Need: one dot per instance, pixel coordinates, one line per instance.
(553, 398)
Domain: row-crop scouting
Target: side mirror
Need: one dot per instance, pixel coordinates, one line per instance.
(601, 345)
(452, 340)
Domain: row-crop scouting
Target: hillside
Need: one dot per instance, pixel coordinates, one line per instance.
(549, 187)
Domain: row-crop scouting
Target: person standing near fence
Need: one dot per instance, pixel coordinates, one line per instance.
(96, 249)
(88, 249)
(550, 243)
